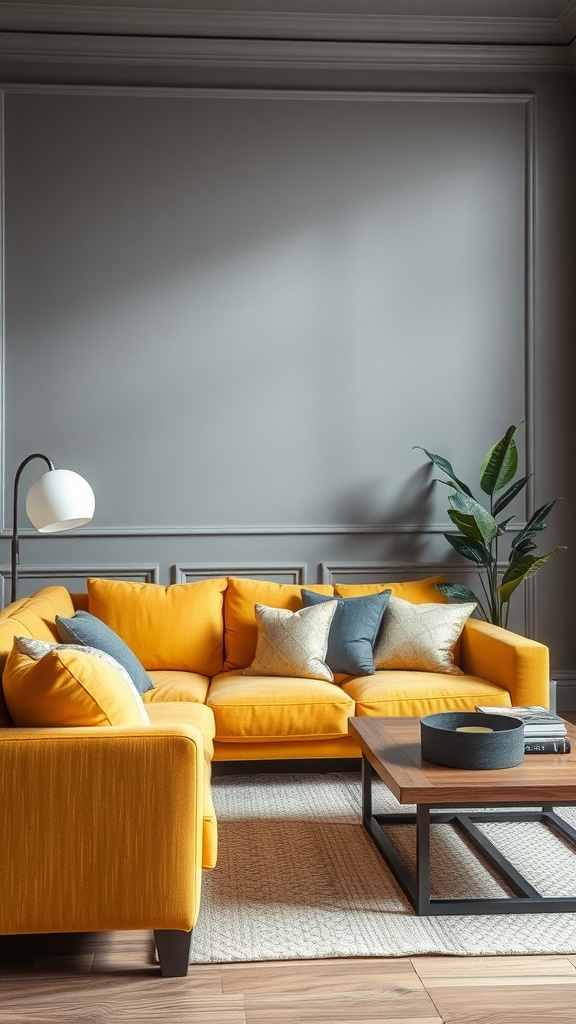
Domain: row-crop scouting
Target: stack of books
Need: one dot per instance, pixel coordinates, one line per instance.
(544, 732)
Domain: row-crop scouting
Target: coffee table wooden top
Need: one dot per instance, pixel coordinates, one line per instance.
(392, 746)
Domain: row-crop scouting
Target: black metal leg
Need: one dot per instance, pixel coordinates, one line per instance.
(173, 952)
(367, 773)
(422, 859)
(417, 886)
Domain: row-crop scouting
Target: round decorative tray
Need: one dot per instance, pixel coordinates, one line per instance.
(471, 739)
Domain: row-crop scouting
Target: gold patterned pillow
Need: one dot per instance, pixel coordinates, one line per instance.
(293, 643)
(420, 636)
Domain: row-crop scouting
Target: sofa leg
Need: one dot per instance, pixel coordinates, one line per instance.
(173, 952)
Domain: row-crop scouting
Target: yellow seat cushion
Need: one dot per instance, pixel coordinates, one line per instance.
(240, 628)
(175, 685)
(416, 591)
(394, 692)
(277, 708)
(181, 713)
(176, 627)
(68, 687)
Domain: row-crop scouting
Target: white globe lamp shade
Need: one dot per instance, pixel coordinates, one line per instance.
(60, 500)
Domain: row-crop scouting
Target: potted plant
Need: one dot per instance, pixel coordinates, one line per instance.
(480, 528)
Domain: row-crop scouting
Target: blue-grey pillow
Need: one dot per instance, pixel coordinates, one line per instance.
(353, 632)
(89, 631)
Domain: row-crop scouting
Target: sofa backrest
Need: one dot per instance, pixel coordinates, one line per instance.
(33, 616)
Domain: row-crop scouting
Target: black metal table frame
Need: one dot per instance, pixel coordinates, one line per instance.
(417, 888)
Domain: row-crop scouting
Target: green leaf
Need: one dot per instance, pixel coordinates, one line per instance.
(446, 467)
(535, 524)
(503, 524)
(473, 550)
(473, 516)
(509, 495)
(520, 550)
(522, 570)
(457, 592)
(500, 464)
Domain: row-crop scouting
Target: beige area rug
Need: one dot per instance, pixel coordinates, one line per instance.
(298, 877)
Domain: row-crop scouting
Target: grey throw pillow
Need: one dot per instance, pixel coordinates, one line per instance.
(353, 632)
(89, 631)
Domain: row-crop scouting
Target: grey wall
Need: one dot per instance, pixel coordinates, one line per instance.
(236, 316)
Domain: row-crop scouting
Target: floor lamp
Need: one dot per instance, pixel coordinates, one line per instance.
(58, 500)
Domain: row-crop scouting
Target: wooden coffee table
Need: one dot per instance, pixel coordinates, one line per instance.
(391, 750)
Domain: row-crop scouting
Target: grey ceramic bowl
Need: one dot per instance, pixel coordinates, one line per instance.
(477, 751)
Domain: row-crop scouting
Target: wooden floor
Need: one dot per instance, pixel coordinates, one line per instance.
(112, 977)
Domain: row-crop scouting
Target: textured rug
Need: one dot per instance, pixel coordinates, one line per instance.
(298, 877)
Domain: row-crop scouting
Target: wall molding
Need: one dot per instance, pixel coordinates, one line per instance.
(124, 18)
(252, 530)
(279, 572)
(137, 573)
(179, 51)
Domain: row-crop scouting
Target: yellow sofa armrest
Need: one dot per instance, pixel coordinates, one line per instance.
(514, 662)
(101, 828)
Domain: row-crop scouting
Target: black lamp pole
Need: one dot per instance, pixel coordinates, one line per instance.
(15, 542)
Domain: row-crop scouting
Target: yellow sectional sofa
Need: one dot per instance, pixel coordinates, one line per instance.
(110, 827)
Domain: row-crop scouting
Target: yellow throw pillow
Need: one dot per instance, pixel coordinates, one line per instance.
(240, 629)
(416, 591)
(178, 627)
(293, 643)
(420, 637)
(68, 687)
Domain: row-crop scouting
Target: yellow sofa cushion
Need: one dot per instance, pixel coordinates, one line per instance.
(240, 628)
(175, 685)
(277, 708)
(176, 627)
(68, 687)
(416, 591)
(186, 713)
(398, 693)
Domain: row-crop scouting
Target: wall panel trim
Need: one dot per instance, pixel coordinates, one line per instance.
(137, 573)
(293, 572)
(178, 51)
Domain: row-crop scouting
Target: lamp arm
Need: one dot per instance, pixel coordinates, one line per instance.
(15, 544)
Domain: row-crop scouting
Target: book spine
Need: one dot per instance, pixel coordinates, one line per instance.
(547, 745)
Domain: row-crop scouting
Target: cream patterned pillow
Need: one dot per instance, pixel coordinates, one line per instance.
(420, 636)
(293, 643)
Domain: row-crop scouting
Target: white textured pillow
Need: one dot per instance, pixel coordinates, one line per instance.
(36, 649)
(420, 636)
(293, 643)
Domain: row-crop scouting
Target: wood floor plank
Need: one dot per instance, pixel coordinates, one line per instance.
(543, 981)
(108, 1001)
(472, 967)
(505, 1004)
(331, 976)
(385, 1005)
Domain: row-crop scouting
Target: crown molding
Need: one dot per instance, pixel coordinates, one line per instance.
(126, 18)
(567, 21)
(178, 51)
